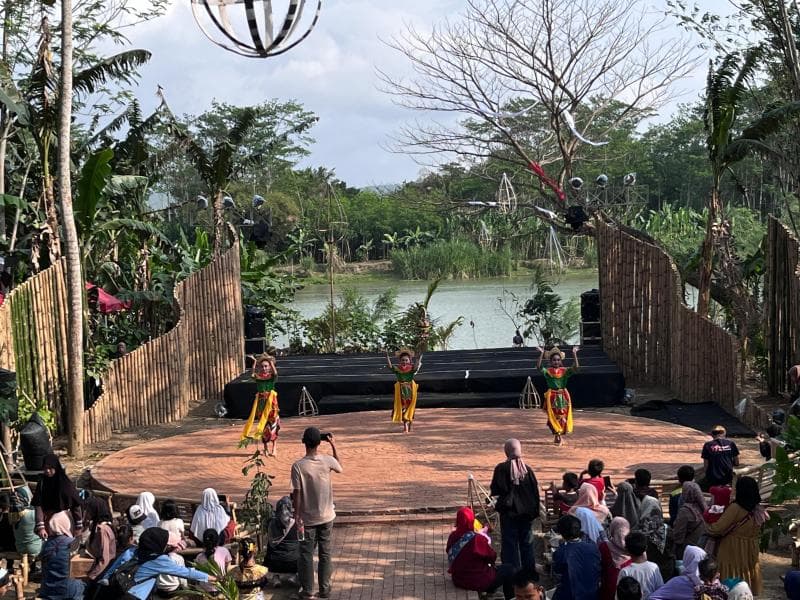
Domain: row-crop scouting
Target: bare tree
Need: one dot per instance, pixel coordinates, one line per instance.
(568, 60)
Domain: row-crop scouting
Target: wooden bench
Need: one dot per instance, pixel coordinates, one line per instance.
(24, 560)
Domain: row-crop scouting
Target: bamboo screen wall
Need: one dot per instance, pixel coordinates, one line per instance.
(650, 332)
(33, 336)
(782, 304)
(159, 381)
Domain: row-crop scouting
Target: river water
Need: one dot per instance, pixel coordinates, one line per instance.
(474, 299)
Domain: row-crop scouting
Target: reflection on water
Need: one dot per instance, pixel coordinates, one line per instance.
(475, 300)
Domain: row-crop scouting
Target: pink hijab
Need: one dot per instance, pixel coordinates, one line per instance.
(617, 531)
(60, 524)
(513, 450)
(587, 498)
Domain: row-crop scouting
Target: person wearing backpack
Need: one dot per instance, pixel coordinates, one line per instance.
(56, 584)
(136, 579)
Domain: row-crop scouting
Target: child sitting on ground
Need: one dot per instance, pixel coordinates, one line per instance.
(641, 569)
(213, 551)
(576, 562)
(710, 587)
(629, 589)
(249, 576)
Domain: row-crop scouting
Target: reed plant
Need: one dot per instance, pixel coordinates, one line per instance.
(451, 259)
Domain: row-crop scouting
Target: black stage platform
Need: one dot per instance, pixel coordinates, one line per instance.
(493, 377)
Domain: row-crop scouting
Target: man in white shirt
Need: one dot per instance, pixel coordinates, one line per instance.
(312, 495)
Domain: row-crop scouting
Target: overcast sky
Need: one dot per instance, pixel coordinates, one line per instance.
(332, 73)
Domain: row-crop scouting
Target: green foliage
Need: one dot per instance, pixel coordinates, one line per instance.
(256, 510)
(452, 259)
(224, 588)
(679, 230)
(545, 316)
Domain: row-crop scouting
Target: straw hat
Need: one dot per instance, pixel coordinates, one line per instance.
(407, 351)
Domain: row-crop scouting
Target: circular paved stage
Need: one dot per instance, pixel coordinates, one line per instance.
(385, 470)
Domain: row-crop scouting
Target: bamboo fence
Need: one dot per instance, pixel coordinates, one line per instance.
(782, 304)
(651, 333)
(160, 380)
(33, 337)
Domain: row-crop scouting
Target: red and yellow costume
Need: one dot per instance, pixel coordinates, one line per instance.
(265, 405)
(557, 401)
(405, 394)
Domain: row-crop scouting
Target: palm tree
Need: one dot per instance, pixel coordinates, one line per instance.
(724, 90)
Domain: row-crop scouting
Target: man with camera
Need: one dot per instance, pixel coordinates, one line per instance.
(313, 501)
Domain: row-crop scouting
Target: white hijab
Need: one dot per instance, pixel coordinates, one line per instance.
(147, 501)
(209, 515)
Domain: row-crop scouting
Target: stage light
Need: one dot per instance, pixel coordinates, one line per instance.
(602, 180)
(258, 201)
(629, 179)
(576, 183)
(227, 202)
(202, 202)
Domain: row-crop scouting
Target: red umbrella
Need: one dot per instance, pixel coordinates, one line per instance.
(106, 302)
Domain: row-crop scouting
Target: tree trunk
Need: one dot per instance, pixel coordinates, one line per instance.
(72, 248)
(707, 262)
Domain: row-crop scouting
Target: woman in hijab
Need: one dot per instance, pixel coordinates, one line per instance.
(55, 493)
(517, 491)
(613, 557)
(209, 515)
(627, 505)
(689, 524)
(151, 554)
(682, 586)
(147, 502)
(587, 498)
(282, 546)
(651, 523)
(56, 584)
(102, 545)
(471, 558)
(591, 530)
(739, 530)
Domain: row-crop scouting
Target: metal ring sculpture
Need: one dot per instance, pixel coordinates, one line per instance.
(264, 43)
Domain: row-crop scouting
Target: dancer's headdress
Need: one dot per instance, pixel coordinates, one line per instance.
(553, 351)
(402, 351)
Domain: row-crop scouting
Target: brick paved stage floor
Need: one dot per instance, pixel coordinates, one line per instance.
(385, 470)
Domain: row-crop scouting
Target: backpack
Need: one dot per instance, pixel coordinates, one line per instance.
(119, 582)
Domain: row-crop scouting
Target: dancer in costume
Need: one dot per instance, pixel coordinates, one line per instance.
(264, 420)
(557, 401)
(405, 389)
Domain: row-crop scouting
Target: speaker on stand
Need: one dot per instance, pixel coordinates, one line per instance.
(255, 332)
(591, 332)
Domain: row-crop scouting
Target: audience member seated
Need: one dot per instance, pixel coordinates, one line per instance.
(641, 569)
(151, 554)
(568, 494)
(613, 557)
(250, 577)
(629, 589)
(591, 530)
(210, 515)
(689, 524)
(685, 473)
(681, 587)
(136, 517)
(577, 563)
(791, 584)
(526, 585)
(587, 498)
(102, 544)
(147, 502)
(56, 584)
(641, 484)
(23, 519)
(283, 549)
(660, 548)
(595, 473)
(212, 551)
(126, 550)
(710, 587)
(169, 585)
(169, 518)
(471, 558)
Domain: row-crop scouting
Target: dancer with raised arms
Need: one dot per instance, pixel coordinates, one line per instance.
(557, 401)
(405, 389)
(265, 405)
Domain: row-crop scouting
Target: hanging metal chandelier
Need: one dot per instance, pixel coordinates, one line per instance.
(263, 41)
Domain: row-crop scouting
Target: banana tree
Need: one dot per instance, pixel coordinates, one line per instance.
(725, 89)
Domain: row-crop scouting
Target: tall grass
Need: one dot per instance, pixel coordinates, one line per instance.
(451, 259)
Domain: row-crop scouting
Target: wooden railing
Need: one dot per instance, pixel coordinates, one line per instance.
(781, 304)
(650, 332)
(159, 381)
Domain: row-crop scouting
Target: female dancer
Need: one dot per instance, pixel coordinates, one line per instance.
(405, 389)
(265, 405)
(557, 401)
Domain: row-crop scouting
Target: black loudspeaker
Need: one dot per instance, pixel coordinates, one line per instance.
(590, 306)
(34, 441)
(255, 325)
(255, 346)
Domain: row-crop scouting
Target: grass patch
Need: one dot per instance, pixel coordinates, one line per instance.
(451, 259)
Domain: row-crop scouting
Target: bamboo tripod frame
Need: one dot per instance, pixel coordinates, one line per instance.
(529, 398)
(481, 502)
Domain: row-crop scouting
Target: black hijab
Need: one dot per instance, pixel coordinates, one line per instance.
(56, 493)
(152, 544)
